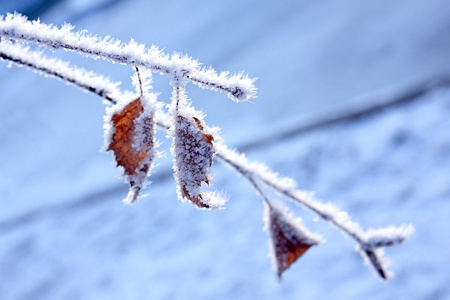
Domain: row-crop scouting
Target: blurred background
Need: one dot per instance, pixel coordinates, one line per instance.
(65, 234)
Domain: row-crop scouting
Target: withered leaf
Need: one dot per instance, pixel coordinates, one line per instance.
(193, 154)
(289, 240)
(133, 144)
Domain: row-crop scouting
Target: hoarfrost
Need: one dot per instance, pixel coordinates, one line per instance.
(192, 149)
(388, 236)
(15, 26)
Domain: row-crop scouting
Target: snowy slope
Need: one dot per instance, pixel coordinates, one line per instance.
(66, 235)
(95, 248)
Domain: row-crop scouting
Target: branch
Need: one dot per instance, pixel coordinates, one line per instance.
(17, 27)
(86, 80)
(366, 241)
(369, 243)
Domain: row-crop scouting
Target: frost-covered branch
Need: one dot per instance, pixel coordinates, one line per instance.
(86, 80)
(130, 131)
(17, 27)
(368, 242)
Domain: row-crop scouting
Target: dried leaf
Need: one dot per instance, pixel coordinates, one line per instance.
(194, 154)
(133, 144)
(289, 238)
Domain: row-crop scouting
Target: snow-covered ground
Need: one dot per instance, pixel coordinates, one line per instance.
(65, 234)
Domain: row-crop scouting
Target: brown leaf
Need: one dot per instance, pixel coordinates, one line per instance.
(289, 240)
(193, 154)
(133, 144)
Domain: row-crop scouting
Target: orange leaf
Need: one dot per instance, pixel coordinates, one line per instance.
(133, 144)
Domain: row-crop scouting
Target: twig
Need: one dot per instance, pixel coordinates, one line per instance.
(88, 81)
(17, 27)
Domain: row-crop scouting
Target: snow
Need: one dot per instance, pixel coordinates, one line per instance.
(65, 234)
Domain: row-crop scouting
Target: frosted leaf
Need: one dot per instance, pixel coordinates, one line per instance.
(193, 152)
(289, 239)
(130, 134)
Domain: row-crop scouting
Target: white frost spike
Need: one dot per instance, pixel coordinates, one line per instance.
(289, 239)
(130, 133)
(193, 151)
